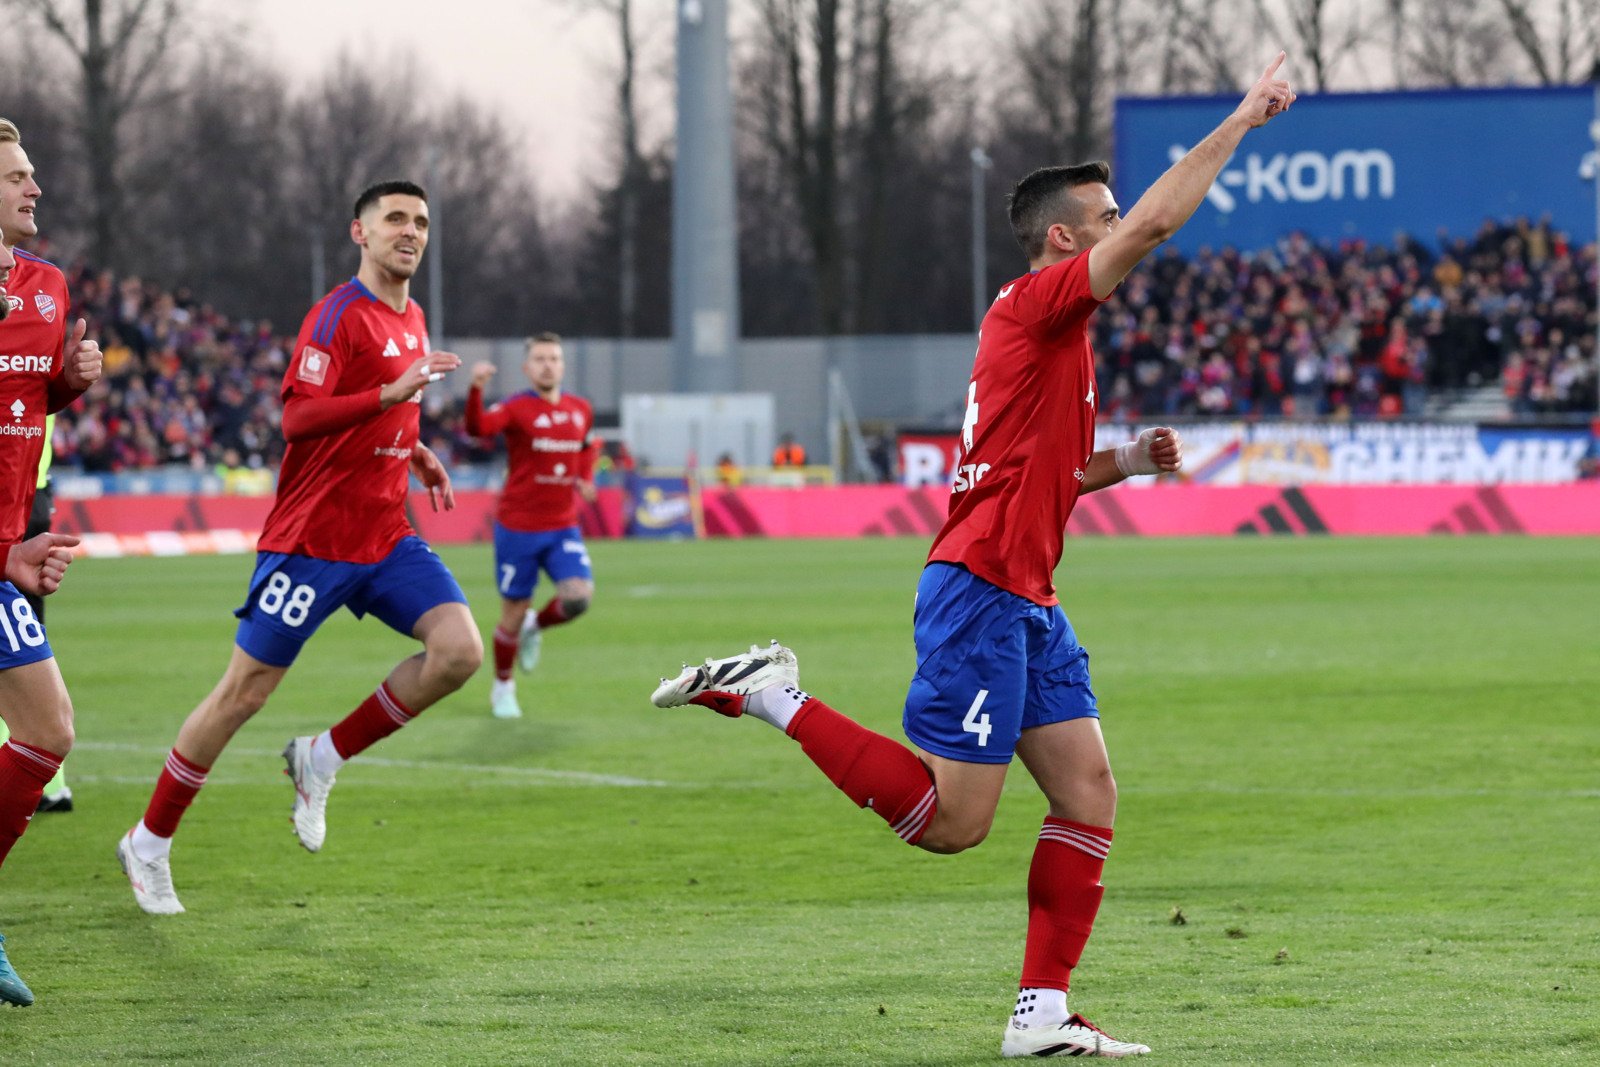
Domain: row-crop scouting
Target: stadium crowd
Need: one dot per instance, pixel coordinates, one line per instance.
(1354, 330)
(1301, 329)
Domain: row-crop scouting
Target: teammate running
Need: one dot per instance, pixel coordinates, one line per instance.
(549, 439)
(337, 536)
(999, 669)
(42, 370)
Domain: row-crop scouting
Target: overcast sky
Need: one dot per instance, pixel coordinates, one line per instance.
(542, 65)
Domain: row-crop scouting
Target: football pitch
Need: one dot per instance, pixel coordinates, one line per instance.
(1363, 772)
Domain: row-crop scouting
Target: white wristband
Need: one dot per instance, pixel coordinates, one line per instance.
(1134, 456)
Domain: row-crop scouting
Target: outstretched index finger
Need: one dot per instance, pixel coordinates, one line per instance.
(1272, 68)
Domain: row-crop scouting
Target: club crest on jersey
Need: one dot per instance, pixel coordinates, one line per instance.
(313, 365)
(391, 349)
(411, 342)
(46, 305)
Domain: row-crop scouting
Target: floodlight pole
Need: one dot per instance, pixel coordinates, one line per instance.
(980, 237)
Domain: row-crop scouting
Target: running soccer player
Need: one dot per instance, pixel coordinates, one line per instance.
(42, 369)
(337, 536)
(549, 439)
(999, 669)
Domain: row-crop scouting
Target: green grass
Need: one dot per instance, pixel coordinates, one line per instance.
(1376, 756)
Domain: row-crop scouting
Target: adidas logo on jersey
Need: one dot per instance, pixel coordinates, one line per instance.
(391, 349)
(542, 422)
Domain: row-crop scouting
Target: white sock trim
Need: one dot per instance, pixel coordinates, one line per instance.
(146, 845)
(776, 704)
(325, 759)
(1039, 1007)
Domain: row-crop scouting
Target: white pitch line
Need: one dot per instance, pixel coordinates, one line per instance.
(540, 774)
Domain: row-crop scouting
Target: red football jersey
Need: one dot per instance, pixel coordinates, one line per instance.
(550, 446)
(32, 338)
(1028, 433)
(342, 496)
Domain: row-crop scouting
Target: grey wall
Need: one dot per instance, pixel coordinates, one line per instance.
(912, 379)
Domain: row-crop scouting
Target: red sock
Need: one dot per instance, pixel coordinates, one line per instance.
(872, 770)
(378, 716)
(180, 780)
(552, 614)
(24, 772)
(1064, 894)
(505, 653)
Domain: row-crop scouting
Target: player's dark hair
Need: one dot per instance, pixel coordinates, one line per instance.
(373, 193)
(546, 338)
(1042, 199)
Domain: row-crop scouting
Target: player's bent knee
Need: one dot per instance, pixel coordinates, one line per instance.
(572, 607)
(456, 657)
(948, 834)
(949, 841)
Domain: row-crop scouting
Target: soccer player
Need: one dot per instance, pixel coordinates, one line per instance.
(337, 535)
(550, 443)
(42, 369)
(999, 669)
(16, 226)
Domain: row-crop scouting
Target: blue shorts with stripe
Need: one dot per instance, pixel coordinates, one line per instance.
(990, 664)
(22, 639)
(519, 557)
(290, 596)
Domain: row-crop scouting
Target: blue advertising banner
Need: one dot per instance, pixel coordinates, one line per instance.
(1372, 165)
(660, 508)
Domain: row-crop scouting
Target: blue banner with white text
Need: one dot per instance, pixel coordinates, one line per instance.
(1371, 165)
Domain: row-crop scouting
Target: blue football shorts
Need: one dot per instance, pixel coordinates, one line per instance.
(290, 596)
(519, 556)
(22, 639)
(990, 664)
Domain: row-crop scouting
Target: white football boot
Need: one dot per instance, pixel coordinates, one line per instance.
(724, 684)
(503, 700)
(310, 794)
(151, 879)
(529, 641)
(1075, 1037)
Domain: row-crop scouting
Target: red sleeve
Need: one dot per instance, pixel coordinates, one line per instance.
(5, 558)
(314, 370)
(591, 447)
(58, 394)
(1057, 298)
(484, 423)
(305, 417)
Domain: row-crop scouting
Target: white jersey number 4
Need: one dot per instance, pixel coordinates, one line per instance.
(975, 723)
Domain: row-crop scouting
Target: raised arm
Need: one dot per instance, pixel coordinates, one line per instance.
(481, 421)
(1167, 204)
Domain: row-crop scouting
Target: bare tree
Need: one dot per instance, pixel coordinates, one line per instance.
(119, 47)
(1320, 33)
(357, 126)
(1565, 51)
(1456, 44)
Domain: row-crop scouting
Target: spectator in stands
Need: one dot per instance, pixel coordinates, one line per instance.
(788, 453)
(728, 473)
